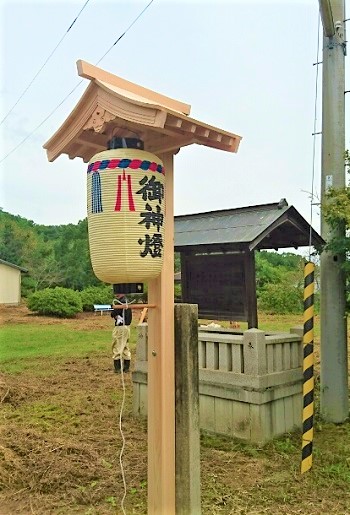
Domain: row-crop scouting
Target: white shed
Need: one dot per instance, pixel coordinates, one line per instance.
(10, 283)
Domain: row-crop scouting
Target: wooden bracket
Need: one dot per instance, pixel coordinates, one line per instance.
(143, 316)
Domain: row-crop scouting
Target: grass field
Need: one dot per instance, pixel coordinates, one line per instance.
(60, 441)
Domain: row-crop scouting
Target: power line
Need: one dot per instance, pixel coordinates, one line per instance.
(122, 35)
(314, 136)
(45, 63)
(40, 124)
(75, 87)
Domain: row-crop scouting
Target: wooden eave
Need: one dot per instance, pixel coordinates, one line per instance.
(284, 228)
(289, 230)
(107, 110)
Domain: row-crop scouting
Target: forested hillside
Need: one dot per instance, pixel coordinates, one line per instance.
(54, 255)
(58, 255)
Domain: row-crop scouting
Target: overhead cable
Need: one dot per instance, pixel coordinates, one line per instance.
(314, 136)
(122, 35)
(41, 123)
(72, 91)
(44, 64)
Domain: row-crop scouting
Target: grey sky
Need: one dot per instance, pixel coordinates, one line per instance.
(244, 66)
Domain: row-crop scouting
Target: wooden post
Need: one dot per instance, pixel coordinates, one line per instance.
(250, 281)
(188, 498)
(161, 382)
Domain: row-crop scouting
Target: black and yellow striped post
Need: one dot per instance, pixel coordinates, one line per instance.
(308, 368)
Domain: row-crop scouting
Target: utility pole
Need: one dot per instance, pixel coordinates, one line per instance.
(334, 356)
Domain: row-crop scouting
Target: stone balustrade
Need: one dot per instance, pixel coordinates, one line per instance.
(250, 383)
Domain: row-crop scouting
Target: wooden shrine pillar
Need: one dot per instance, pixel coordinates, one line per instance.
(250, 286)
(161, 369)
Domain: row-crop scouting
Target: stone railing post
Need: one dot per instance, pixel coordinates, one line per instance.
(139, 376)
(254, 352)
(297, 329)
(142, 342)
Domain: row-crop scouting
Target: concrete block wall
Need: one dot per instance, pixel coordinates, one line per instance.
(250, 384)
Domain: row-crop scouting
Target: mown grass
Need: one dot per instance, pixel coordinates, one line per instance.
(275, 484)
(20, 342)
(283, 323)
(275, 323)
(61, 443)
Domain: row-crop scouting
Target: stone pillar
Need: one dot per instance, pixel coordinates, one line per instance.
(187, 438)
(142, 344)
(297, 329)
(254, 352)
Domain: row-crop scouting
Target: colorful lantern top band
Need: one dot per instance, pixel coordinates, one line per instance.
(134, 164)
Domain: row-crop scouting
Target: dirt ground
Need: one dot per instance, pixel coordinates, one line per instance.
(60, 444)
(22, 315)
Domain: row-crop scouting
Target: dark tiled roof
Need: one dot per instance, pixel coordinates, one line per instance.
(265, 226)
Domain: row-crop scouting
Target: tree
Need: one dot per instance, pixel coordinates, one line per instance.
(272, 267)
(16, 241)
(337, 214)
(72, 255)
(43, 268)
(282, 298)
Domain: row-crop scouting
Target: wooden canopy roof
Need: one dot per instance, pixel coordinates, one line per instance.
(267, 226)
(112, 106)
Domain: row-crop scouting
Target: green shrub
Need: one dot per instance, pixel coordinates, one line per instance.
(281, 299)
(178, 292)
(317, 302)
(28, 286)
(61, 302)
(96, 295)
